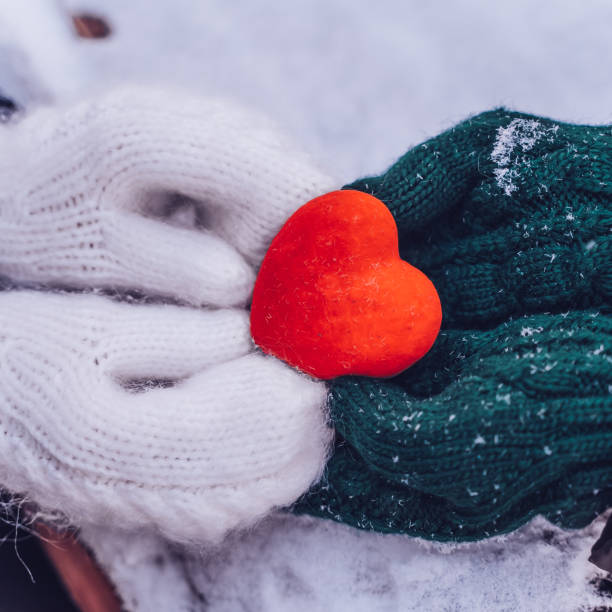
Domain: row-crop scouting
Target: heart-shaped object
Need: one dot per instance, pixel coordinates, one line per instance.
(333, 296)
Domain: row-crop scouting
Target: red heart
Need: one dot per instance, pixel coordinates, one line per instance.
(333, 296)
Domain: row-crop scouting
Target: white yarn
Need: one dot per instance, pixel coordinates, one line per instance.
(79, 188)
(237, 435)
(84, 197)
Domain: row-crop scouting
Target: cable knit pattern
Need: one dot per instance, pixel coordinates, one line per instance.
(510, 414)
(508, 214)
(79, 188)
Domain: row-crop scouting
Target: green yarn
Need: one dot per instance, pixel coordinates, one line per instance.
(510, 414)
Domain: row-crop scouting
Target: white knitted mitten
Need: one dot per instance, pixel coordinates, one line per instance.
(80, 190)
(237, 435)
(232, 434)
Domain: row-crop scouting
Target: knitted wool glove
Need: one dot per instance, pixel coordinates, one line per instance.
(510, 414)
(79, 192)
(148, 415)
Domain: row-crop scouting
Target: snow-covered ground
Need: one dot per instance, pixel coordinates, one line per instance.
(356, 82)
(306, 565)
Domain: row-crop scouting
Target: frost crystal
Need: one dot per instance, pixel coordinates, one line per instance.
(529, 331)
(519, 132)
(519, 136)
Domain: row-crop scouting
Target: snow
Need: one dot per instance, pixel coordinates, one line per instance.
(356, 83)
(521, 135)
(303, 564)
(340, 569)
(519, 132)
(530, 331)
(37, 57)
(504, 177)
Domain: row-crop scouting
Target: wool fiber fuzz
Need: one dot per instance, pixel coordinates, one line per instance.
(149, 412)
(510, 414)
(236, 435)
(81, 191)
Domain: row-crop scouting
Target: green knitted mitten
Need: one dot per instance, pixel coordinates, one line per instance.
(510, 414)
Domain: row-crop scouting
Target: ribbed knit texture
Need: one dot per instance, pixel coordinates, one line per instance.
(510, 414)
(84, 187)
(88, 200)
(89, 432)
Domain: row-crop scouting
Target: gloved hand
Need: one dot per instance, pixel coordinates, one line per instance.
(510, 414)
(225, 434)
(80, 190)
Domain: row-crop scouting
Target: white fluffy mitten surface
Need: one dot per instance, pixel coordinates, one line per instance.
(235, 436)
(80, 189)
(88, 199)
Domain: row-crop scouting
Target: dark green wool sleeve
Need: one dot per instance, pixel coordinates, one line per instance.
(510, 414)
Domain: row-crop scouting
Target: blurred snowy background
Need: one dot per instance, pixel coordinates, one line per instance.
(356, 83)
